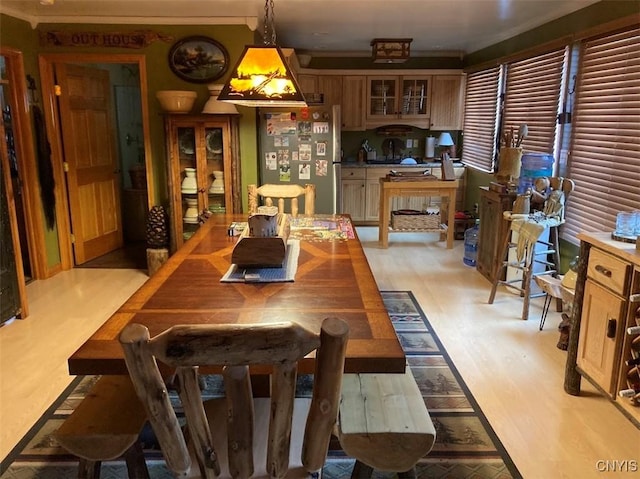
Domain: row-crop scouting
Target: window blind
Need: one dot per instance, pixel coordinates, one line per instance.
(481, 108)
(532, 97)
(604, 160)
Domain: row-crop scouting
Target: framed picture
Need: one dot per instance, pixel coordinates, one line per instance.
(198, 59)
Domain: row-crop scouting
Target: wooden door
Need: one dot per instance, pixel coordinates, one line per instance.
(90, 155)
(12, 286)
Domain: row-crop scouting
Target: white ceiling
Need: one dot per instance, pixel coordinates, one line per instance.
(324, 26)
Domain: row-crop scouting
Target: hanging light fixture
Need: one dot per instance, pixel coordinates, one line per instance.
(262, 77)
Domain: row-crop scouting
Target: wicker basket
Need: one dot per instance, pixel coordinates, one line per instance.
(417, 221)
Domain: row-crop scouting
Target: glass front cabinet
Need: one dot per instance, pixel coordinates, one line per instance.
(203, 171)
(399, 98)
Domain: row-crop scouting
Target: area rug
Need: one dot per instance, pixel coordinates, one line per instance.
(466, 446)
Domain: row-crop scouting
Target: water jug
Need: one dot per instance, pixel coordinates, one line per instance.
(534, 165)
(471, 244)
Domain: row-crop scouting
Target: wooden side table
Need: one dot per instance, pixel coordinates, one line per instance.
(390, 189)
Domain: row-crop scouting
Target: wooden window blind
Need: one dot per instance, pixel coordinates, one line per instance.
(604, 160)
(481, 109)
(532, 97)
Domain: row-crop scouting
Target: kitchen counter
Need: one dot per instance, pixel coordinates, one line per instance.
(433, 164)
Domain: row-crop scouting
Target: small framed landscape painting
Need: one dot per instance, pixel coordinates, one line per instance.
(198, 59)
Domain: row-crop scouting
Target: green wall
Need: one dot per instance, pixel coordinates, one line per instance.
(18, 34)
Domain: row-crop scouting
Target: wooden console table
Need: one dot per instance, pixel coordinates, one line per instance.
(390, 189)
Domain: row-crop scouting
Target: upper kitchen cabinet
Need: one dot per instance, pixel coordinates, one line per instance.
(354, 102)
(330, 86)
(405, 99)
(447, 102)
(308, 83)
(203, 170)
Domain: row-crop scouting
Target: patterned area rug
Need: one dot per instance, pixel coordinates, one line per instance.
(466, 446)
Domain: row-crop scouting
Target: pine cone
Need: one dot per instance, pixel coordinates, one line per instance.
(157, 234)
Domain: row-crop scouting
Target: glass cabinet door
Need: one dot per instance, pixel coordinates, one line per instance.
(186, 137)
(415, 94)
(214, 145)
(382, 98)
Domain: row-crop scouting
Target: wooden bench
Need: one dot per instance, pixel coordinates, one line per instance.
(384, 423)
(105, 426)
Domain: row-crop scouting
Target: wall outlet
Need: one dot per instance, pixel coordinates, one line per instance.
(409, 143)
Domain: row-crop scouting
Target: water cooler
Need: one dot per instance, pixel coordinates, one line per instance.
(534, 165)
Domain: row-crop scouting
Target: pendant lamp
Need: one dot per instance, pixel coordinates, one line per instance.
(262, 78)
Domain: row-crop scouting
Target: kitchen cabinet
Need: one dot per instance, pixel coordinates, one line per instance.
(204, 148)
(308, 83)
(597, 346)
(354, 102)
(493, 226)
(399, 98)
(330, 86)
(602, 346)
(353, 193)
(447, 102)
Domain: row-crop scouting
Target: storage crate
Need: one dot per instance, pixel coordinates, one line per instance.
(415, 220)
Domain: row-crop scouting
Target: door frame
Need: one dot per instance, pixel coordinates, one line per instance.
(27, 166)
(47, 62)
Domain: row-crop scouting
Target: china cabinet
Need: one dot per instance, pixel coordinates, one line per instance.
(395, 98)
(203, 170)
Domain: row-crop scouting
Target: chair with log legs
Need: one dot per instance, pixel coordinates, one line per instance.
(240, 436)
(280, 193)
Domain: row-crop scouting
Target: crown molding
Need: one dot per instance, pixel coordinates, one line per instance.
(34, 20)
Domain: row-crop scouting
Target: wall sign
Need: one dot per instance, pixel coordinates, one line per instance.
(136, 39)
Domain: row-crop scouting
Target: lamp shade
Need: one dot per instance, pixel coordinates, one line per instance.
(445, 139)
(261, 78)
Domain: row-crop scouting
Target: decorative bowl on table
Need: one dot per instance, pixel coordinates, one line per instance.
(176, 101)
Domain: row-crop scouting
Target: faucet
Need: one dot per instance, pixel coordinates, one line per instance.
(392, 148)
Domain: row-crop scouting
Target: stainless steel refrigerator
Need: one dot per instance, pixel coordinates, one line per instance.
(302, 145)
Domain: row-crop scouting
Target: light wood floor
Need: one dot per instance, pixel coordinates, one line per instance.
(514, 371)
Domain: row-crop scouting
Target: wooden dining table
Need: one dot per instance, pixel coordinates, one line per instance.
(333, 278)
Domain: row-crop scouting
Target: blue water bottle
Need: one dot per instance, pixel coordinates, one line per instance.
(471, 244)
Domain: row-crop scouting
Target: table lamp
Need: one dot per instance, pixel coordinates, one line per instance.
(446, 141)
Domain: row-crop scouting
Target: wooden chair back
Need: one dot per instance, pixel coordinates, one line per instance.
(236, 347)
(280, 193)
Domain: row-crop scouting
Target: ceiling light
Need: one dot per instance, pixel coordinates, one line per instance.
(262, 78)
(47, 2)
(390, 50)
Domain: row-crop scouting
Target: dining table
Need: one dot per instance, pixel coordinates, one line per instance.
(332, 278)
